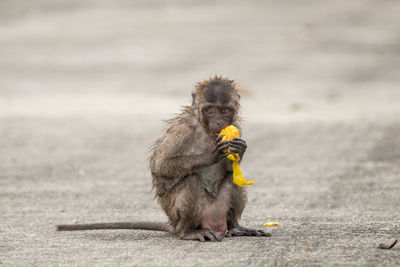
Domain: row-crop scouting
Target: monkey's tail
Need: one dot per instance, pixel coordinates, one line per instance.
(154, 226)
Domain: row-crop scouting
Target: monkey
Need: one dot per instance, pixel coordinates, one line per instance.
(191, 175)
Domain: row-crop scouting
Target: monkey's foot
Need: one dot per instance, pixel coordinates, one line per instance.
(202, 235)
(242, 231)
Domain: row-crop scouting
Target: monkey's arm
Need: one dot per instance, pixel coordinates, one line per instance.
(182, 165)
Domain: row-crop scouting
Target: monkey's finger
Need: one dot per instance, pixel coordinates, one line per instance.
(240, 233)
(219, 138)
(222, 148)
(225, 155)
(231, 233)
(238, 141)
(201, 238)
(240, 146)
(210, 236)
(237, 144)
(217, 236)
(235, 232)
(219, 148)
(260, 233)
(252, 232)
(263, 233)
(223, 143)
(237, 150)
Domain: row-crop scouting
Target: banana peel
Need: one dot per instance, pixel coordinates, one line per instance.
(229, 133)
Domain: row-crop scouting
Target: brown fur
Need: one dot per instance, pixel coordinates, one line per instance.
(182, 191)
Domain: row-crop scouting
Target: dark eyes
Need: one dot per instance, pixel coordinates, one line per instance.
(225, 110)
(210, 110)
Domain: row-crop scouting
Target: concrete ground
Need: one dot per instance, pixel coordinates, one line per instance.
(84, 86)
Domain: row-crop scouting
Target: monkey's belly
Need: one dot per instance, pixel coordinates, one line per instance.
(212, 177)
(214, 214)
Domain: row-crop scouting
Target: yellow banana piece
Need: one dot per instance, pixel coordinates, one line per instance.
(271, 224)
(229, 133)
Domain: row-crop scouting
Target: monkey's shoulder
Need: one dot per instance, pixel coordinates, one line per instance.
(183, 134)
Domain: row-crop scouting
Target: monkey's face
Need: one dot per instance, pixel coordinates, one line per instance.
(216, 117)
(217, 103)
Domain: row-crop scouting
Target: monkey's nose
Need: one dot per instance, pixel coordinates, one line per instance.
(220, 123)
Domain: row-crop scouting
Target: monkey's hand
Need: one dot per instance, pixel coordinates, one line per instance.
(238, 146)
(220, 151)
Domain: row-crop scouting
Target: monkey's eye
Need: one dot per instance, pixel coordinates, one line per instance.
(210, 110)
(225, 110)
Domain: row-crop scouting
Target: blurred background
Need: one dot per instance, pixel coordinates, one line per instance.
(84, 86)
(74, 58)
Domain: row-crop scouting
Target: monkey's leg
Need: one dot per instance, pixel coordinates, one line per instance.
(185, 207)
(238, 202)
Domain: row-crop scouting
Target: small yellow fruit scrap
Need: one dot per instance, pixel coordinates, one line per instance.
(229, 133)
(271, 224)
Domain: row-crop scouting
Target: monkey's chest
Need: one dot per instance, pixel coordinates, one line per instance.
(212, 177)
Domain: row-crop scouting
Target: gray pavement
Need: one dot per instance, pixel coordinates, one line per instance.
(84, 87)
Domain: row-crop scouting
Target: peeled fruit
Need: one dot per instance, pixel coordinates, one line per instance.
(271, 224)
(229, 133)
